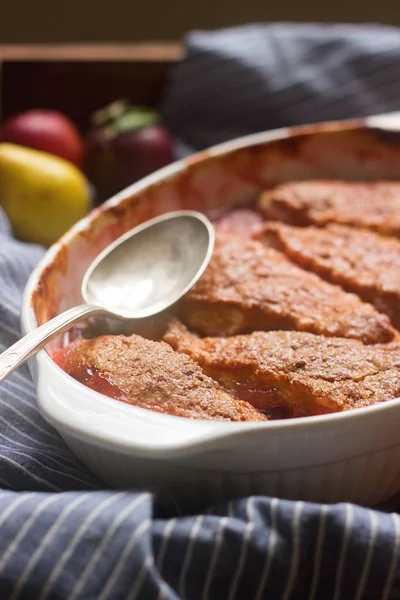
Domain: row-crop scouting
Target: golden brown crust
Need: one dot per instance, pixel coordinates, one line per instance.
(307, 374)
(373, 206)
(360, 261)
(248, 287)
(151, 375)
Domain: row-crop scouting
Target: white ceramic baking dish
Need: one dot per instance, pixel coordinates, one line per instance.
(353, 456)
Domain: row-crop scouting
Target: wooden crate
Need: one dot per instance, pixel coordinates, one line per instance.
(79, 79)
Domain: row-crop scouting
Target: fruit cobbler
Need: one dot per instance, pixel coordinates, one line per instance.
(296, 315)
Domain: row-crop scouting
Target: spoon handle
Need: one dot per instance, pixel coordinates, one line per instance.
(31, 343)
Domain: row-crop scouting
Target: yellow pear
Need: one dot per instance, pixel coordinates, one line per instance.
(43, 195)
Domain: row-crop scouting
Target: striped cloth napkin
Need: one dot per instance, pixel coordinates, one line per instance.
(62, 534)
(249, 79)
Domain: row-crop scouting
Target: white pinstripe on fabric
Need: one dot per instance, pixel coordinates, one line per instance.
(258, 42)
(22, 389)
(15, 543)
(26, 471)
(66, 460)
(24, 417)
(194, 90)
(395, 562)
(363, 69)
(18, 500)
(342, 559)
(368, 557)
(45, 542)
(68, 551)
(373, 71)
(9, 279)
(37, 461)
(137, 586)
(163, 592)
(270, 551)
(5, 227)
(10, 288)
(113, 579)
(294, 565)
(43, 448)
(19, 260)
(164, 544)
(334, 104)
(239, 90)
(188, 555)
(244, 548)
(39, 447)
(348, 56)
(6, 389)
(27, 380)
(16, 375)
(10, 384)
(107, 537)
(53, 449)
(318, 551)
(46, 455)
(7, 303)
(214, 556)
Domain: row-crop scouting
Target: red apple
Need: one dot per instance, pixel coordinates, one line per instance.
(125, 144)
(45, 130)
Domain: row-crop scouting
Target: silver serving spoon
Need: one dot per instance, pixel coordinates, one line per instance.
(139, 275)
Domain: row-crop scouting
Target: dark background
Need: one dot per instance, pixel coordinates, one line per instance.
(132, 20)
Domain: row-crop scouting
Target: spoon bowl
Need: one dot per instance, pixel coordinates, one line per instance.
(139, 275)
(151, 267)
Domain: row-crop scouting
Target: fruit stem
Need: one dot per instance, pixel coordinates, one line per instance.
(110, 112)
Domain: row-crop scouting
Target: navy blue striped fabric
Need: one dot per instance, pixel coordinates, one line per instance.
(250, 79)
(62, 535)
